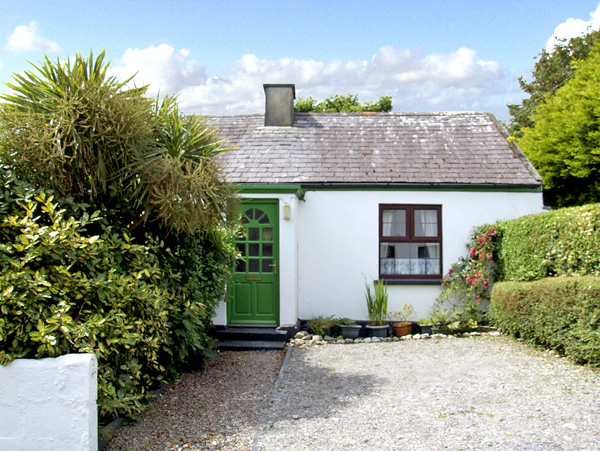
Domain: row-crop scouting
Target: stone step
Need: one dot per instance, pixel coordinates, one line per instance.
(251, 337)
(250, 345)
(251, 333)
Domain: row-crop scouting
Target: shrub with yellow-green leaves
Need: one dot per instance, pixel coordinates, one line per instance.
(63, 291)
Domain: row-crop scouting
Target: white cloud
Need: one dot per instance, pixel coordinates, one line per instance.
(571, 28)
(416, 81)
(27, 37)
(162, 68)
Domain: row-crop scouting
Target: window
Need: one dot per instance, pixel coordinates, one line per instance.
(410, 242)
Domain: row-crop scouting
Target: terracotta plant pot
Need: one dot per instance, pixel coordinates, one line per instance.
(401, 329)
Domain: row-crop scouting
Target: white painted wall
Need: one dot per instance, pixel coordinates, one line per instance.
(338, 233)
(49, 404)
(330, 246)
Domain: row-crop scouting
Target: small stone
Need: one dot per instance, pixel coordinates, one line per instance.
(295, 417)
(340, 342)
(358, 340)
(348, 340)
(307, 337)
(316, 338)
(375, 340)
(301, 334)
(328, 338)
(367, 340)
(395, 339)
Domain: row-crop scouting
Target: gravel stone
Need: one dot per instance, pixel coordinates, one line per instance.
(219, 408)
(469, 393)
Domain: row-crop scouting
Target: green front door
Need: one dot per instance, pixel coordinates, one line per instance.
(253, 294)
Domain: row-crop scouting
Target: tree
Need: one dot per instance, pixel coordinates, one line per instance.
(72, 128)
(564, 144)
(551, 71)
(343, 104)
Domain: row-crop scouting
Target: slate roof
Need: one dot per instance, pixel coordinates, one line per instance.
(374, 148)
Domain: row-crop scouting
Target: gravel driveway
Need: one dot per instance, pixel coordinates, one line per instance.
(478, 393)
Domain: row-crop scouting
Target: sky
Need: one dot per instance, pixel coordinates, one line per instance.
(429, 55)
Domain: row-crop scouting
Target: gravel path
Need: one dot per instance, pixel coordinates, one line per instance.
(219, 408)
(479, 393)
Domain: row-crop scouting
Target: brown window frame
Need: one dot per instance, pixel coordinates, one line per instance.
(410, 238)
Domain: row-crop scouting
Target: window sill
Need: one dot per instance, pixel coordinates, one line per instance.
(412, 281)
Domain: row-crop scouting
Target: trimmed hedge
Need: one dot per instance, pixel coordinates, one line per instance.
(561, 313)
(555, 243)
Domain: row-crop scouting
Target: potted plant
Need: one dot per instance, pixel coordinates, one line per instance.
(401, 320)
(377, 301)
(348, 328)
(426, 325)
(321, 325)
(440, 319)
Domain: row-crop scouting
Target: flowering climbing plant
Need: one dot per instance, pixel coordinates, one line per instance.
(467, 285)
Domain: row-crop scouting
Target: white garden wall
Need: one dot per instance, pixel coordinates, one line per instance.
(49, 404)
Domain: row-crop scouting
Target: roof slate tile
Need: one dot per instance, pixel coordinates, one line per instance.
(450, 148)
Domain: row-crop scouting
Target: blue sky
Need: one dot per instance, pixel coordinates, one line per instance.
(429, 55)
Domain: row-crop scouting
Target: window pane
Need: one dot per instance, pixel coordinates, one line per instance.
(267, 265)
(267, 250)
(240, 266)
(425, 258)
(393, 222)
(264, 219)
(241, 248)
(253, 249)
(267, 234)
(426, 223)
(253, 265)
(410, 258)
(253, 234)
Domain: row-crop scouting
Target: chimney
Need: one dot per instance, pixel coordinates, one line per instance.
(279, 108)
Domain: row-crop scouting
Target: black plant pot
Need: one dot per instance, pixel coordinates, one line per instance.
(378, 331)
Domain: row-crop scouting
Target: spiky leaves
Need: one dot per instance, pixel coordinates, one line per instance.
(71, 127)
(181, 182)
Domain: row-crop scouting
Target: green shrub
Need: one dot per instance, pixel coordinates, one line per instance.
(321, 325)
(197, 269)
(558, 242)
(143, 309)
(62, 292)
(561, 313)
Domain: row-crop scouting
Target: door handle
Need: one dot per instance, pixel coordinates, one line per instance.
(274, 266)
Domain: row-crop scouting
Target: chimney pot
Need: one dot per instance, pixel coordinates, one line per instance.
(279, 105)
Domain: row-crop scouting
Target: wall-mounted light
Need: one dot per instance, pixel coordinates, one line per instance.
(286, 211)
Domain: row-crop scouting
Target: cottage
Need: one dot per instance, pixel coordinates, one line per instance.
(332, 200)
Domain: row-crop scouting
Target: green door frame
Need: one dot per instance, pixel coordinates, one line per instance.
(253, 293)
